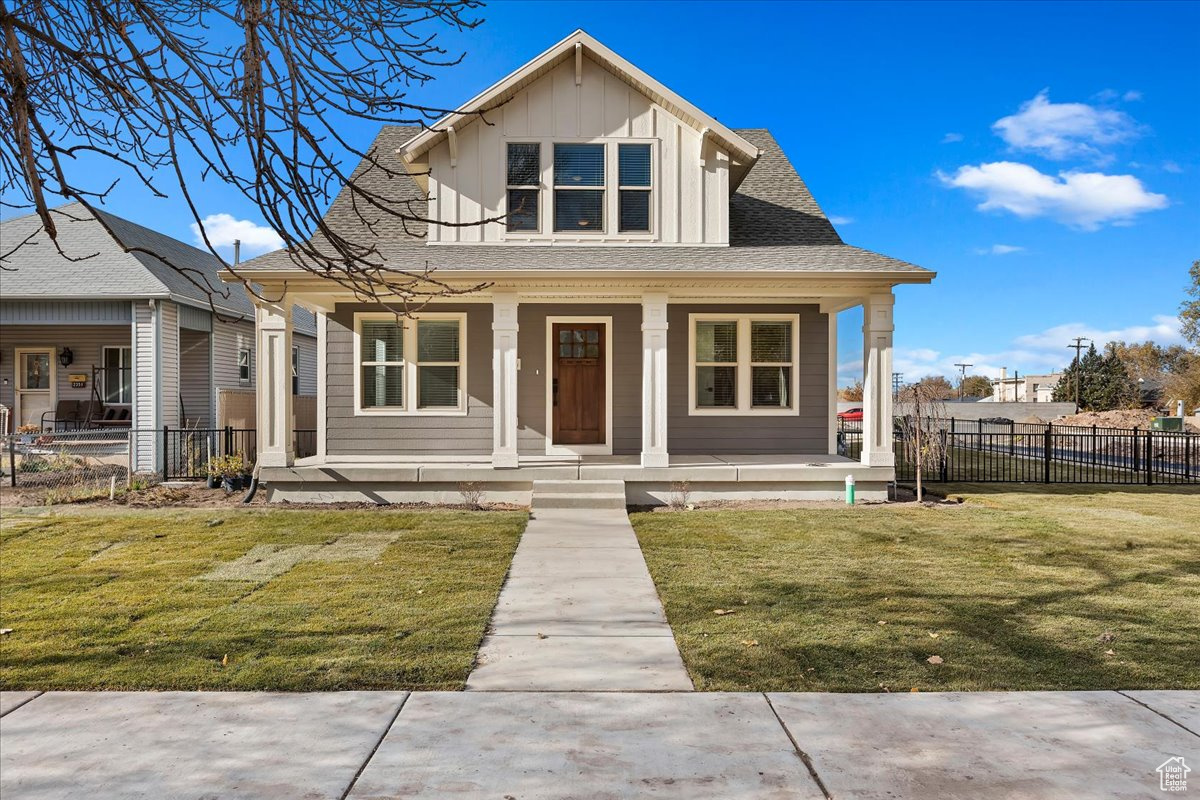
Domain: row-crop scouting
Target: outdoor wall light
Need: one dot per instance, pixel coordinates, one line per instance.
(66, 357)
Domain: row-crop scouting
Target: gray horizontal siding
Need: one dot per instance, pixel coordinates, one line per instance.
(195, 384)
(806, 433)
(626, 348)
(228, 338)
(307, 361)
(195, 319)
(348, 434)
(65, 312)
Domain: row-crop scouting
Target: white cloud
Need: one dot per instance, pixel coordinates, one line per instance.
(1132, 96)
(223, 229)
(1085, 200)
(1172, 167)
(951, 138)
(1032, 354)
(838, 220)
(1064, 130)
(998, 250)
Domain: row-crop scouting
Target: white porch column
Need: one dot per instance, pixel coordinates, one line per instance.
(654, 380)
(273, 374)
(877, 380)
(504, 380)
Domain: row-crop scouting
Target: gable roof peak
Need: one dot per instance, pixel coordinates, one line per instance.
(742, 153)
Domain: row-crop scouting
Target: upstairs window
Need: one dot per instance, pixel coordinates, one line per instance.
(633, 177)
(243, 362)
(579, 188)
(524, 182)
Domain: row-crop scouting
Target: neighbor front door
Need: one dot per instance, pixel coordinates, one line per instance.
(34, 385)
(578, 389)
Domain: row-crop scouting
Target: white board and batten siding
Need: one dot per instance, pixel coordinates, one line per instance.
(690, 193)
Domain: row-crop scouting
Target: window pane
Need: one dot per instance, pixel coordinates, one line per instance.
(578, 165)
(244, 365)
(112, 375)
(438, 387)
(437, 340)
(716, 341)
(634, 168)
(522, 209)
(716, 387)
(635, 210)
(37, 371)
(382, 340)
(770, 341)
(126, 375)
(579, 210)
(383, 387)
(524, 164)
(771, 387)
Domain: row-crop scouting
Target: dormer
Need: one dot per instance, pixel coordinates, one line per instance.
(579, 147)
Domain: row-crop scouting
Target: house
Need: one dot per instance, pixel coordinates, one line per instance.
(1024, 389)
(105, 322)
(659, 307)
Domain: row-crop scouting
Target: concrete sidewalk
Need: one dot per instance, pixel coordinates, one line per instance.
(579, 612)
(592, 745)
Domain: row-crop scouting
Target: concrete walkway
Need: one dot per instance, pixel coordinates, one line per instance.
(528, 746)
(579, 612)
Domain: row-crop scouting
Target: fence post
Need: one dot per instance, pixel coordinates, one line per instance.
(1149, 458)
(166, 450)
(944, 467)
(12, 460)
(228, 440)
(1187, 455)
(1137, 452)
(1048, 441)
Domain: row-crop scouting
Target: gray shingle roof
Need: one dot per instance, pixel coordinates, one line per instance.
(775, 225)
(37, 271)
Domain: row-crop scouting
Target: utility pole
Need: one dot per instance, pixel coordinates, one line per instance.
(963, 379)
(897, 377)
(1077, 347)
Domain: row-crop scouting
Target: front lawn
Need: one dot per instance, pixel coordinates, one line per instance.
(1037, 588)
(218, 599)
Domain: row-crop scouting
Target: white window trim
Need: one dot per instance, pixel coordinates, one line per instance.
(605, 448)
(411, 371)
(743, 364)
(120, 360)
(249, 379)
(610, 232)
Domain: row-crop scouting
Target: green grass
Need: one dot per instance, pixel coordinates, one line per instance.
(112, 601)
(1023, 587)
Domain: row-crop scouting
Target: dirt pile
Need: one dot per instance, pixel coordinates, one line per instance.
(1125, 418)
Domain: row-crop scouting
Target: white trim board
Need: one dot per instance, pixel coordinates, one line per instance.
(553, 449)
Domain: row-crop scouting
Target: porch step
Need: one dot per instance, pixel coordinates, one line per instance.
(578, 494)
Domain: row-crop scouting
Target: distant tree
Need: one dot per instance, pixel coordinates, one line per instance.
(976, 386)
(852, 393)
(1104, 382)
(936, 386)
(1184, 384)
(1189, 310)
(1151, 361)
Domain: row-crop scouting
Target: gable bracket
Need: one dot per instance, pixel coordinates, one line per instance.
(453, 141)
(579, 63)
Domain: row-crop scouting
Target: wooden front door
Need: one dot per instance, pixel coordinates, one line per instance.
(578, 390)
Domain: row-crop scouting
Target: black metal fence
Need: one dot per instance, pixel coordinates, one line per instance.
(186, 452)
(980, 452)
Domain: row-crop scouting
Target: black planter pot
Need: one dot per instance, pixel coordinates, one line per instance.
(213, 482)
(233, 483)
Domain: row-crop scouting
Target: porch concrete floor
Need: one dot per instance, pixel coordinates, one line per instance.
(579, 612)
(372, 745)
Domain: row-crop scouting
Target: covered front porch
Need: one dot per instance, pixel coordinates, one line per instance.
(721, 390)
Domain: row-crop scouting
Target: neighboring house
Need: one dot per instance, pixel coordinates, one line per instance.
(1024, 389)
(660, 307)
(129, 336)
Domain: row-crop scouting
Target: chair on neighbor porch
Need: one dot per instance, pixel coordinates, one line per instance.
(64, 417)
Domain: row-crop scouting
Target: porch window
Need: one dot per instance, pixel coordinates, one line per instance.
(295, 370)
(118, 375)
(579, 188)
(411, 366)
(743, 364)
(633, 190)
(243, 364)
(524, 182)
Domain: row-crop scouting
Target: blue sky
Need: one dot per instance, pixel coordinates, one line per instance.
(1043, 158)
